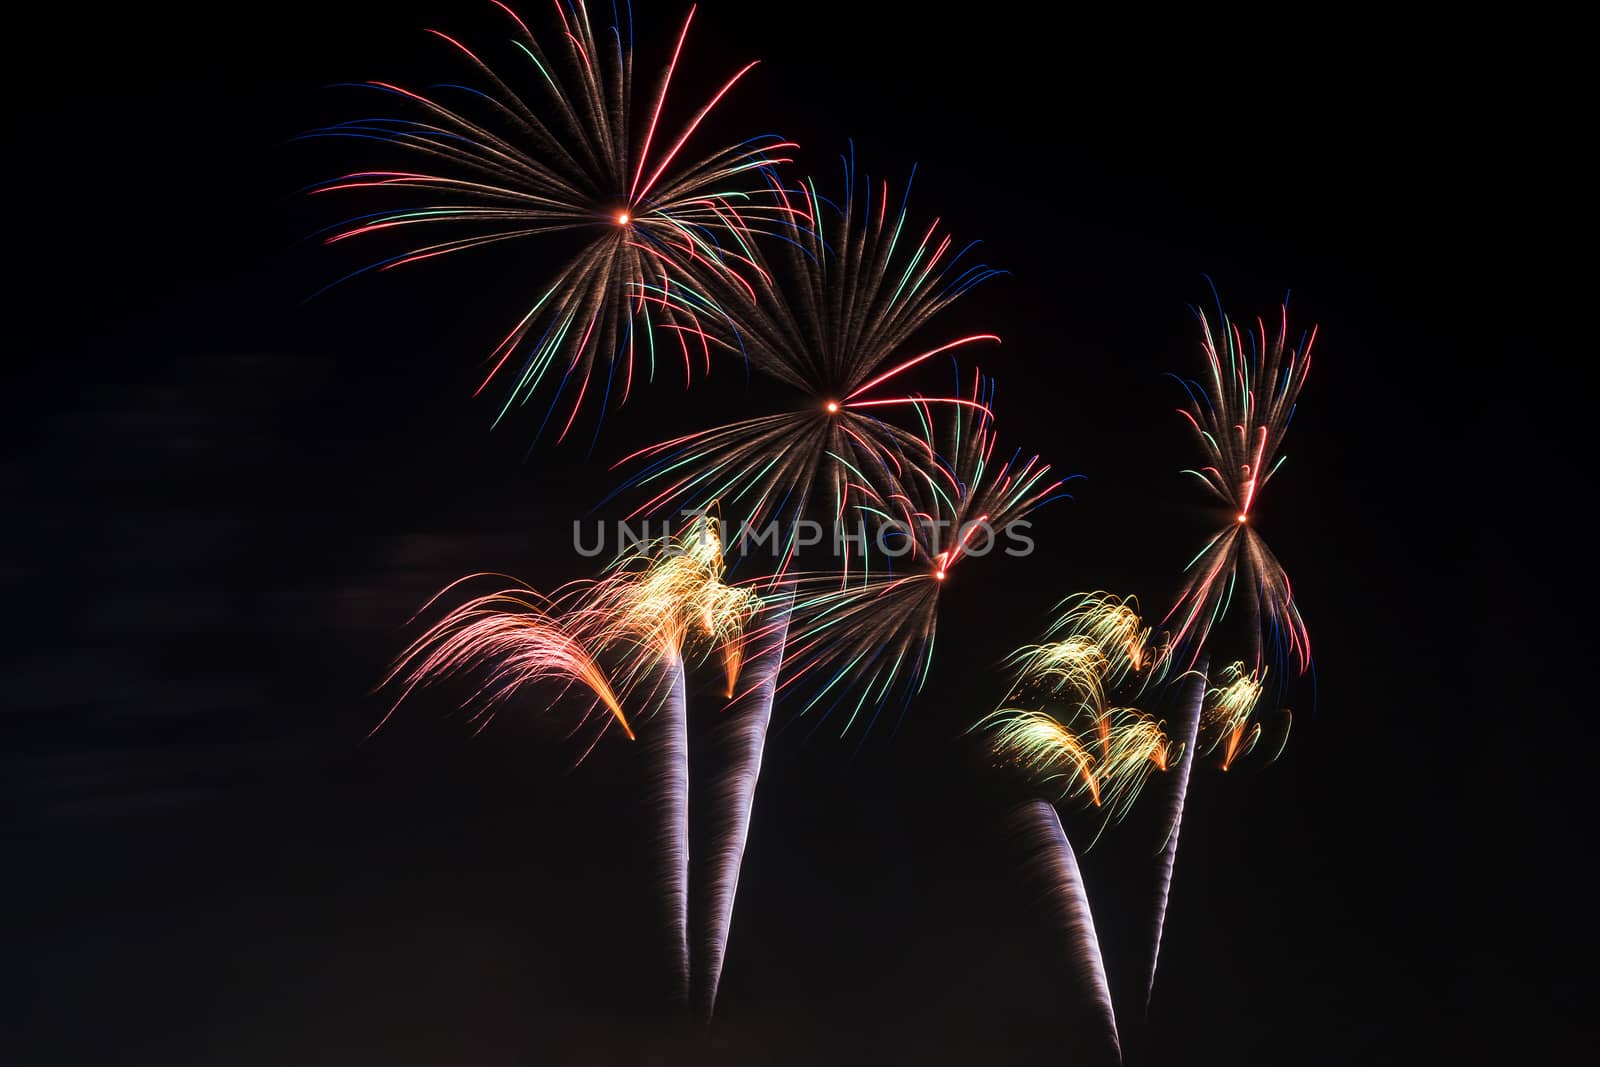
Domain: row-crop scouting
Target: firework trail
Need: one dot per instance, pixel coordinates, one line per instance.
(666, 753)
(741, 738)
(1190, 699)
(873, 635)
(1240, 414)
(579, 155)
(832, 313)
(1053, 869)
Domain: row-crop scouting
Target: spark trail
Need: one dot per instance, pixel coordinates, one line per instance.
(741, 740)
(1052, 868)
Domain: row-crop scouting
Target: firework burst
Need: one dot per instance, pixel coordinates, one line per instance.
(873, 635)
(577, 154)
(518, 637)
(1240, 413)
(1228, 725)
(834, 307)
(1098, 642)
(663, 599)
(1059, 726)
(658, 602)
(1102, 754)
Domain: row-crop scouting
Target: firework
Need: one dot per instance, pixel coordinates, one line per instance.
(1096, 646)
(1098, 642)
(1052, 868)
(662, 599)
(740, 739)
(576, 154)
(1240, 414)
(710, 254)
(1062, 733)
(660, 602)
(832, 313)
(1228, 722)
(656, 604)
(874, 635)
(519, 638)
(1046, 749)
(1108, 761)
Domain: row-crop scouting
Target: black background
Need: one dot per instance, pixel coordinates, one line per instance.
(223, 506)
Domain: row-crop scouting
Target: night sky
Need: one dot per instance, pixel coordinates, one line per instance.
(222, 505)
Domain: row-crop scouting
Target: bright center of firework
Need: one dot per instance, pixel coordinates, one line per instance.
(938, 576)
(1243, 517)
(831, 407)
(623, 218)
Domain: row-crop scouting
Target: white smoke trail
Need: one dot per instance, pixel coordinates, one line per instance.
(1189, 701)
(666, 741)
(1053, 867)
(741, 740)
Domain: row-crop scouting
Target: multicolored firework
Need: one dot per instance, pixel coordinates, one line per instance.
(832, 314)
(1240, 414)
(715, 253)
(873, 635)
(577, 155)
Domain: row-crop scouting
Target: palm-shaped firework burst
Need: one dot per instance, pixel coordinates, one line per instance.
(577, 153)
(1240, 412)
